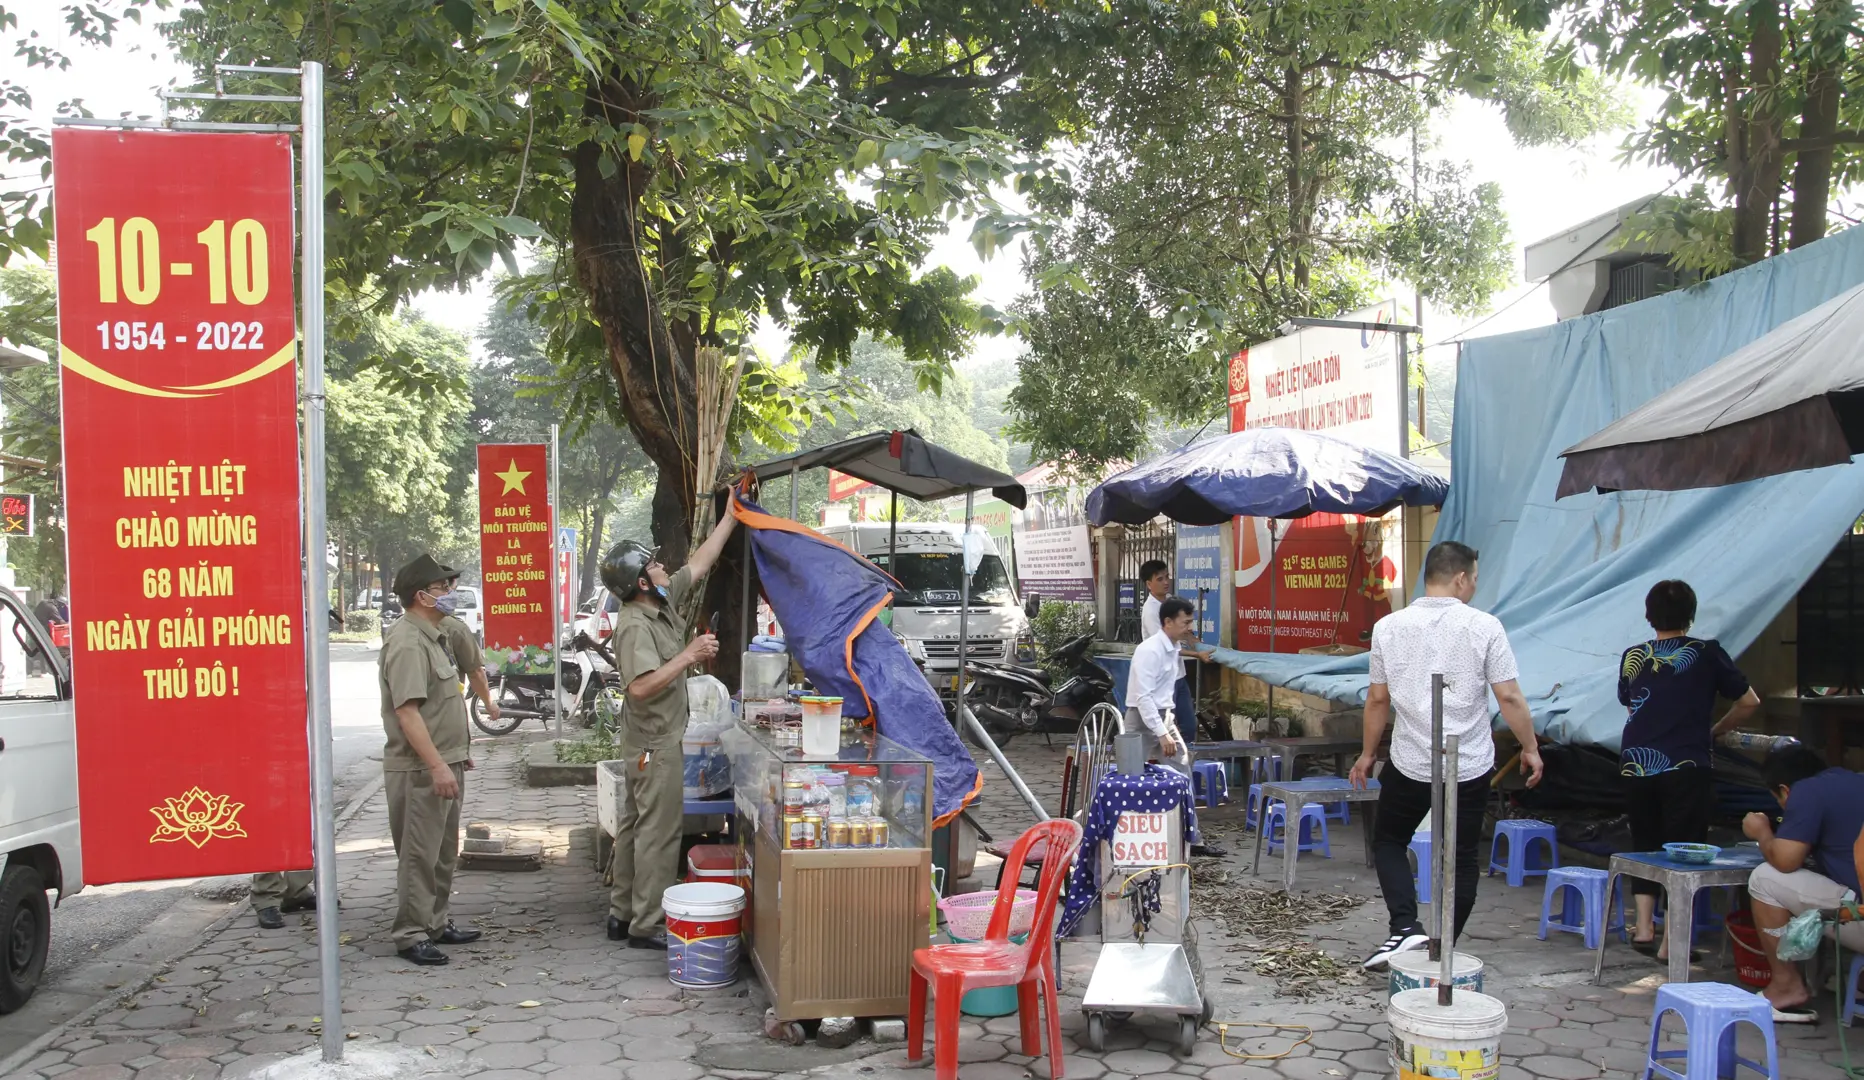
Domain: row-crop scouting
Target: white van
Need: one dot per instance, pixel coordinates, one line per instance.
(930, 571)
(39, 840)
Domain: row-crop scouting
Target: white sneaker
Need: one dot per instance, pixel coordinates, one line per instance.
(1397, 943)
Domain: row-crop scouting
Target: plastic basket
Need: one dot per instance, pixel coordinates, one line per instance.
(1750, 962)
(968, 916)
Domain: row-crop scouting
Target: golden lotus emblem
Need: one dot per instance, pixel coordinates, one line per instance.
(196, 817)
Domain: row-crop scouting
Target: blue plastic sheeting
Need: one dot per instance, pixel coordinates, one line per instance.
(826, 596)
(1568, 577)
(1263, 472)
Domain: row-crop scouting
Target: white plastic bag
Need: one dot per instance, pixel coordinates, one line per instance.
(708, 708)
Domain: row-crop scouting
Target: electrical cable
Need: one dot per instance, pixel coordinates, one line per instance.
(1223, 1039)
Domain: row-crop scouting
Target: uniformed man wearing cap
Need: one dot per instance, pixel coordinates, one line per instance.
(468, 657)
(652, 656)
(424, 764)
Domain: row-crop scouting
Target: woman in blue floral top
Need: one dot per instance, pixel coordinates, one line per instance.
(1670, 684)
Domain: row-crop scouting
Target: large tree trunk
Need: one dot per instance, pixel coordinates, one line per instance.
(1812, 172)
(652, 368)
(1294, 105)
(1755, 135)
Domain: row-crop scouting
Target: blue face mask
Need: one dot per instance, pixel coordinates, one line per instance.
(447, 604)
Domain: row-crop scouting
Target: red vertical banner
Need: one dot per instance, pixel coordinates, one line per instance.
(517, 556)
(180, 420)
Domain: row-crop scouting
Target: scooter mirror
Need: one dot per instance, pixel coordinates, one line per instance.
(1032, 605)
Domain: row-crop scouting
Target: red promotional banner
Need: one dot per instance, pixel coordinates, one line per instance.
(1332, 582)
(179, 384)
(516, 555)
(841, 485)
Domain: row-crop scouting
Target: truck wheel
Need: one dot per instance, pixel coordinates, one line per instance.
(25, 935)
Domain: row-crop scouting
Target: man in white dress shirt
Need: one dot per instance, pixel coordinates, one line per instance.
(1155, 574)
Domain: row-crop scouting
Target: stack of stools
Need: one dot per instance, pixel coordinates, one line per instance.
(1519, 860)
(1710, 1013)
(1583, 904)
(1420, 848)
(1210, 783)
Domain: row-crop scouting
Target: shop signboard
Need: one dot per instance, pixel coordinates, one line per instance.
(1198, 575)
(179, 395)
(1333, 578)
(16, 515)
(1141, 839)
(841, 485)
(515, 556)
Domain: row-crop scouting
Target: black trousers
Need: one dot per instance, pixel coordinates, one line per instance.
(1668, 808)
(1403, 805)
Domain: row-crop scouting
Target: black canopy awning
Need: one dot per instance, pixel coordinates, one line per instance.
(901, 461)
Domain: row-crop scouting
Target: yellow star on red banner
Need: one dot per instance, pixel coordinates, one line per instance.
(514, 478)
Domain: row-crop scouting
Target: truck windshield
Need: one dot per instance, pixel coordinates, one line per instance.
(935, 577)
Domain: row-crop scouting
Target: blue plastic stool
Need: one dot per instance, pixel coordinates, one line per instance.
(1313, 817)
(1852, 1006)
(1590, 913)
(1209, 784)
(1420, 847)
(1265, 770)
(1707, 921)
(1710, 1012)
(1252, 808)
(1520, 860)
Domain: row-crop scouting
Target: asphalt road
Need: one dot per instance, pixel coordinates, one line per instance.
(102, 936)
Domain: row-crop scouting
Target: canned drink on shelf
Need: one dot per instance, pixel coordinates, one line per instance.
(812, 826)
(878, 831)
(860, 834)
(838, 833)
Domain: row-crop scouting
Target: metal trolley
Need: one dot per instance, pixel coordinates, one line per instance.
(1148, 962)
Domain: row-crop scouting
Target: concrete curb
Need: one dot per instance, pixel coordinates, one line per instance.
(18, 1059)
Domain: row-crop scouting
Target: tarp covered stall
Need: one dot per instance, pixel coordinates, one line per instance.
(1567, 577)
(902, 462)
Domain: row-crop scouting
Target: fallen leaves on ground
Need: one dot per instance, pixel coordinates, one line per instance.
(1268, 924)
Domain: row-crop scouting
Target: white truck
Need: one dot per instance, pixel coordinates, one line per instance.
(930, 570)
(39, 840)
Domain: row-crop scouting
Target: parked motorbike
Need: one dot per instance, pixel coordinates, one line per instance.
(591, 695)
(1018, 699)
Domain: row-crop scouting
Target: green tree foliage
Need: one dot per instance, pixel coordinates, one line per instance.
(1762, 105)
(700, 162)
(1261, 167)
(394, 482)
(30, 436)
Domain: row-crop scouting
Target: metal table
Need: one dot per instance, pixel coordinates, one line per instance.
(1298, 793)
(1315, 746)
(1232, 749)
(1680, 881)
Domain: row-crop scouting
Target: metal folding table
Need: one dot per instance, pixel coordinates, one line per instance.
(1289, 748)
(1681, 881)
(1296, 794)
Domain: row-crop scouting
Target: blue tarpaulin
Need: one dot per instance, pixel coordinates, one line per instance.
(1567, 577)
(828, 600)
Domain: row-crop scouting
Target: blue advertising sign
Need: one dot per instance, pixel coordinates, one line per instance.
(1198, 575)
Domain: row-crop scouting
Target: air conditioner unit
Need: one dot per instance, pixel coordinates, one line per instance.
(1639, 281)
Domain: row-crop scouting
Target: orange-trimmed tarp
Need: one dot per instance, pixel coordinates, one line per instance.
(829, 601)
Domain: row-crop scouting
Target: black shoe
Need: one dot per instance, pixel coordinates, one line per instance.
(453, 935)
(1403, 941)
(270, 919)
(424, 954)
(617, 930)
(307, 903)
(657, 941)
(1208, 851)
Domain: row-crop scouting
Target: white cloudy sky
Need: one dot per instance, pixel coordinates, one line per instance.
(1544, 190)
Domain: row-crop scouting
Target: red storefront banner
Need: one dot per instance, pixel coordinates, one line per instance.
(1332, 582)
(516, 552)
(841, 485)
(179, 385)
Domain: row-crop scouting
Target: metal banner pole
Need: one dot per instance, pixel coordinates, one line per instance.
(1438, 861)
(556, 649)
(964, 589)
(1446, 886)
(1404, 392)
(316, 543)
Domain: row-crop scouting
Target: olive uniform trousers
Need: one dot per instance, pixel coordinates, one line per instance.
(276, 890)
(646, 861)
(426, 830)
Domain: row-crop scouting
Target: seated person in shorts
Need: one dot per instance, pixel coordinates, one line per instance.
(1813, 861)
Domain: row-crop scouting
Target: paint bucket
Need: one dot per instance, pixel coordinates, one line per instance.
(703, 923)
(1416, 970)
(989, 1000)
(1460, 1041)
(821, 726)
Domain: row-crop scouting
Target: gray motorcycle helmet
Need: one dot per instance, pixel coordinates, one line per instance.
(623, 568)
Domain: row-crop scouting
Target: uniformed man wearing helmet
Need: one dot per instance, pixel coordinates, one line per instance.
(652, 656)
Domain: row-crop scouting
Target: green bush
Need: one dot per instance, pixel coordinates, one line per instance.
(1056, 624)
(591, 748)
(367, 621)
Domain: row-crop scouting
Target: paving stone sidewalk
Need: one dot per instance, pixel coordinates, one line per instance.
(546, 994)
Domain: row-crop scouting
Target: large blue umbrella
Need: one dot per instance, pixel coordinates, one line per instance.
(1264, 472)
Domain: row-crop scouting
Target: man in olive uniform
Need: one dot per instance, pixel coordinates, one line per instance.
(424, 763)
(652, 656)
(276, 895)
(468, 657)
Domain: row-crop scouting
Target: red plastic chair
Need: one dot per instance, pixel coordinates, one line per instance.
(953, 970)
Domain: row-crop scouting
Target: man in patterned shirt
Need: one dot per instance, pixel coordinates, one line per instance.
(1437, 634)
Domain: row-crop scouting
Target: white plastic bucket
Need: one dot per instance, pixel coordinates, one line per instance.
(704, 921)
(1461, 1041)
(1416, 970)
(821, 726)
